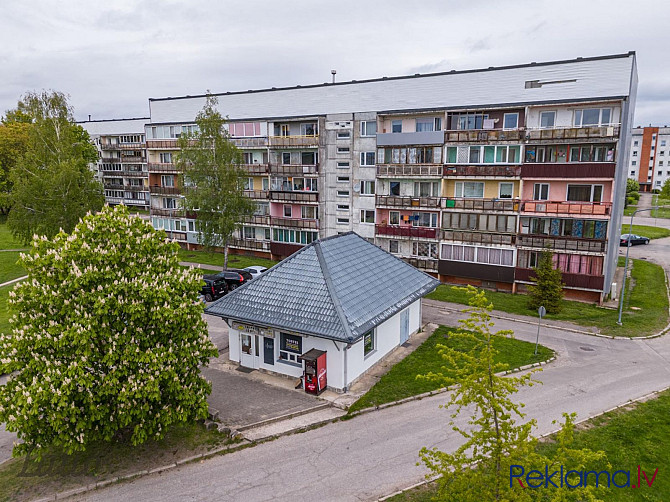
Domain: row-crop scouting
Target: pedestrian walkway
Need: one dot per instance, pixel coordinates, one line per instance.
(203, 266)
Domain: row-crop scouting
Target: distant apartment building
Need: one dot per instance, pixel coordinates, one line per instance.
(467, 175)
(122, 164)
(649, 161)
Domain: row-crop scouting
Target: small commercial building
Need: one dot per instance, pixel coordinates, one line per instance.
(341, 295)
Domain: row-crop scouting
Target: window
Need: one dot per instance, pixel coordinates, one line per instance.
(592, 117)
(634, 163)
(368, 127)
(287, 211)
(510, 121)
(367, 216)
(243, 129)
(505, 190)
(492, 256)
(634, 154)
(343, 207)
(342, 149)
(286, 158)
(343, 221)
(396, 126)
(343, 165)
(452, 155)
(309, 212)
(475, 154)
(165, 157)
(662, 142)
(343, 134)
(469, 121)
(394, 217)
(470, 189)
(248, 183)
(632, 173)
(249, 233)
(169, 203)
(424, 249)
(300, 237)
(425, 125)
(426, 189)
(290, 347)
(424, 220)
(266, 184)
(367, 187)
(369, 342)
(547, 119)
(309, 129)
(541, 191)
(393, 246)
(585, 193)
(368, 159)
(343, 179)
(167, 180)
(343, 193)
(635, 143)
(308, 158)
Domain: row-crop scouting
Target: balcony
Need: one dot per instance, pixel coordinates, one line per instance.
(172, 213)
(406, 231)
(249, 244)
(408, 202)
(162, 167)
(283, 250)
(567, 207)
(573, 133)
(511, 205)
(483, 171)
(429, 264)
(412, 170)
(569, 170)
(295, 223)
(127, 160)
(256, 194)
(122, 146)
(293, 170)
(477, 237)
(570, 280)
(257, 219)
(410, 138)
(250, 142)
(159, 190)
(127, 188)
(294, 141)
(484, 135)
(304, 196)
(562, 243)
(162, 144)
(255, 168)
(116, 173)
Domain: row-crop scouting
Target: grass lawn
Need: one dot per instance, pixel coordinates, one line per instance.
(628, 211)
(637, 435)
(234, 260)
(401, 381)
(4, 313)
(9, 269)
(646, 231)
(663, 212)
(59, 472)
(7, 241)
(648, 295)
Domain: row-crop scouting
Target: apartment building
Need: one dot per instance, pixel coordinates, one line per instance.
(649, 161)
(468, 175)
(121, 165)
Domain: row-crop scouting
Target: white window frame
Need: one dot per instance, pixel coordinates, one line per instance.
(553, 112)
(500, 185)
(535, 185)
(290, 211)
(593, 188)
(364, 159)
(372, 336)
(343, 179)
(600, 123)
(459, 189)
(516, 126)
(367, 188)
(365, 213)
(364, 128)
(343, 193)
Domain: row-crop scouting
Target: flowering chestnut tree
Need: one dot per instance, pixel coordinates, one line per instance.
(107, 338)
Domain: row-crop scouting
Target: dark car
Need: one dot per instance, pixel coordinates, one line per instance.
(634, 239)
(235, 278)
(214, 287)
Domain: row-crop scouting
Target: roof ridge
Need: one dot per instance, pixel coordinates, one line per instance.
(331, 291)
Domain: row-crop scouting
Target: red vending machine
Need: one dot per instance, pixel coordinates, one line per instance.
(315, 371)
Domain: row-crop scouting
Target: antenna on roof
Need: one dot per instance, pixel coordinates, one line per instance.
(89, 117)
(333, 73)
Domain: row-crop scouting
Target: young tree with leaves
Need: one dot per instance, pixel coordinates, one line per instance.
(665, 190)
(548, 288)
(213, 180)
(108, 338)
(52, 184)
(496, 438)
(13, 145)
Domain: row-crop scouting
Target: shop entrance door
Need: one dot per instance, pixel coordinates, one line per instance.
(249, 350)
(269, 350)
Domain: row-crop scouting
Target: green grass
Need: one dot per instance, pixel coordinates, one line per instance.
(401, 382)
(59, 472)
(9, 269)
(646, 231)
(4, 312)
(7, 240)
(648, 295)
(663, 212)
(637, 435)
(216, 259)
(628, 211)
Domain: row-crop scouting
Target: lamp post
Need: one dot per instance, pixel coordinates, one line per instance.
(542, 312)
(625, 268)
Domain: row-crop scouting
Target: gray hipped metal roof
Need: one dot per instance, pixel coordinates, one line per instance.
(338, 288)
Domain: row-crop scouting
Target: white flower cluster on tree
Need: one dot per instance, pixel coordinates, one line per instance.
(107, 338)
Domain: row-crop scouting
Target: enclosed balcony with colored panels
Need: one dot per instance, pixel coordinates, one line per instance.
(408, 194)
(410, 161)
(122, 146)
(563, 234)
(410, 130)
(294, 216)
(162, 167)
(249, 244)
(566, 198)
(577, 270)
(485, 195)
(479, 228)
(486, 126)
(570, 124)
(482, 161)
(407, 224)
(162, 144)
(294, 134)
(294, 189)
(595, 161)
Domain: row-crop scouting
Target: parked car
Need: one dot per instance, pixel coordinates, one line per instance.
(235, 278)
(255, 270)
(214, 287)
(634, 239)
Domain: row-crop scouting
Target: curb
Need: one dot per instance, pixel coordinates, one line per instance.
(13, 281)
(280, 418)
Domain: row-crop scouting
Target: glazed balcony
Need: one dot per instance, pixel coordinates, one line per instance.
(427, 264)
(408, 202)
(293, 170)
(304, 196)
(162, 167)
(162, 144)
(406, 231)
(509, 205)
(562, 243)
(294, 141)
(410, 170)
(257, 194)
(567, 207)
(159, 190)
(127, 188)
(569, 280)
(255, 168)
(250, 142)
(122, 146)
(477, 237)
(483, 171)
(566, 134)
(295, 223)
(257, 219)
(172, 213)
(569, 170)
(410, 138)
(484, 135)
(124, 173)
(249, 244)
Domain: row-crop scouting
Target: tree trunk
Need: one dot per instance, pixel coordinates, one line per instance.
(225, 254)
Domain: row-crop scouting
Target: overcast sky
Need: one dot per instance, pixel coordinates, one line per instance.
(110, 57)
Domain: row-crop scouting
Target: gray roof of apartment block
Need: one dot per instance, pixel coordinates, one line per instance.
(337, 288)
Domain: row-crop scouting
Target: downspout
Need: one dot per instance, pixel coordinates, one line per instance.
(344, 355)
